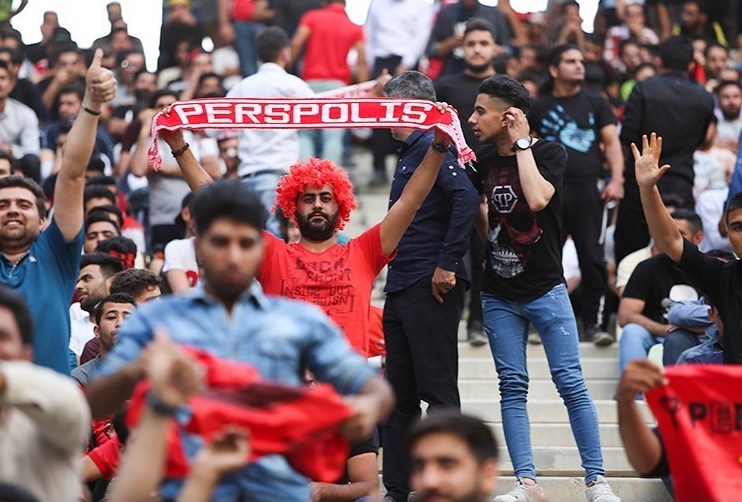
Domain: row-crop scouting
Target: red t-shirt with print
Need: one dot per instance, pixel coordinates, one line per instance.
(340, 279)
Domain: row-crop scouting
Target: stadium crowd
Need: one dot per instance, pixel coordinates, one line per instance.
(162, 329)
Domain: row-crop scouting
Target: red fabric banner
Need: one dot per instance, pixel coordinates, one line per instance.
(297, 422)
(308, 113)
(700, 421)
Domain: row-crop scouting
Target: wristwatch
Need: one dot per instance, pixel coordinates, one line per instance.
(522, 143)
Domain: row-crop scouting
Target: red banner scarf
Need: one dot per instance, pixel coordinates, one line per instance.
(308, 113)
(700, 420)
(297, 422)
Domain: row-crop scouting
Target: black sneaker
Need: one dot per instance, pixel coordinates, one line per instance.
(599, 337)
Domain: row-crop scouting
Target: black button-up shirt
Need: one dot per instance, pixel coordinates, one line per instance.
(440, 232)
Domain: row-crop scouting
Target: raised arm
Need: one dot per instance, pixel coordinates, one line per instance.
(193, 172)
(648, 173)
(68, 204)
(401, 214)
(536, 189)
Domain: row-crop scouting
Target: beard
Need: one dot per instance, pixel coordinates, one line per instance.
(18, 237)
(730, 114)
(478, 68)
(317, 231)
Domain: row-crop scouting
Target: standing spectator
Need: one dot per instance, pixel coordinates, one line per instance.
(581, 121)
(180, 25)
(448, 30)
(240, 21)
(634, 28)
(641, 312)
(717, 59)
(729, 112)
(716, 280)
(680, 111)
(695, 23)
(266, 155)
(396, 35)
(279, 337)
(93, 283)
(453, 457)
(326, 37)
(521, 179)
(38, 51)
(460, 91)
(116, 19)
(44, 415)
(19, 128)
(289, 12)
(43, 266)
(425, 287)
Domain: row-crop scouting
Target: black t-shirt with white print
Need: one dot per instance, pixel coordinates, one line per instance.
(524, 249)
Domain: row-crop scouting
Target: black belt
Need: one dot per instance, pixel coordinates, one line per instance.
(280, 172)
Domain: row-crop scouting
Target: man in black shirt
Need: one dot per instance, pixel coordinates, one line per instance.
(460, 91)
(580, 121)
(520, 179)
(720, 282)
(676, 109)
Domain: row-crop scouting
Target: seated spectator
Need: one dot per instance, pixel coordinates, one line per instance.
(634, 28)
(98, 228)
(120, 247)
(712, 165)
(716, 57)
(452, 457)
(642, 72)
(24, 91)
(695, 23)
(141, 89)
(66, 70)
(19, 128)
(641, 311)
(711, 349)
(44, 415)
(96, 196)
(129, 63)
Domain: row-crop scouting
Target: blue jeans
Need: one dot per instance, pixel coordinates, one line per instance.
(506, 324)
(635, 343)
(323, 143)
(245, 34)
(265, 186)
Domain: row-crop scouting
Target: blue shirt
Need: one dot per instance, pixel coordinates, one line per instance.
(278, 336)
(440, 232)
(46, 278)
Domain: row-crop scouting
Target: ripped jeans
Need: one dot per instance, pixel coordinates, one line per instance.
(506, 324)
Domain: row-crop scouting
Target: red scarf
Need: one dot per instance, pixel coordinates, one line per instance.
(309, 113)
(700, 420)
(297, 422)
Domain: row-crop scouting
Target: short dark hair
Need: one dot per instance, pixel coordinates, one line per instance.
(713, 44)
(97, 218)
(4, 66)
(479, 24)
(133, 281)
(112, 298)
(102, 180)
(21, 313)
(72, 89)
(63, 48)
(16, 55)
(702, 5)
(107, 210)
(5, 155)
(117, 243)
(676, 53)
(98, 192)
(269, 43)
(695, 222)
(109, 266)
(160, 93)
(508, 90)
(18, 181)
(410, 85)
(733, 203)
(229, 199)
(472, 431)
(95, 164)
(555, 56)
(727, 83)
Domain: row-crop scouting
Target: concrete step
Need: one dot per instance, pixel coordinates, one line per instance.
(561, 434)
(602, 368)
(548, 411)
(537, 389)
(587, 349)
(572, 489)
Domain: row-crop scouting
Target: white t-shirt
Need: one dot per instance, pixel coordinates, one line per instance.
(180, 254)
(81, 331)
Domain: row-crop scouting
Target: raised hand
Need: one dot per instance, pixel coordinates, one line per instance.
(639, 377)
(100, 82)
(646, 163)
(173, 375)
(227, 452)
(516, 123)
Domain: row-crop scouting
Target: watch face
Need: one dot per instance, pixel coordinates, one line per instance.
(523, 143)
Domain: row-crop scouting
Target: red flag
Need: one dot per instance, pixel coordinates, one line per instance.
(700, 421)
(297, 422)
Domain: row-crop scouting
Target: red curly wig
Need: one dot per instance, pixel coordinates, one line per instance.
(316, 173)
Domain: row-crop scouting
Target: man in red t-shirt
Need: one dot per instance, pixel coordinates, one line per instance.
(326, 36)
(318, 196)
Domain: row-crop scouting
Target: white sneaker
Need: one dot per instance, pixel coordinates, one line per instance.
(600, 492)
(522, 493)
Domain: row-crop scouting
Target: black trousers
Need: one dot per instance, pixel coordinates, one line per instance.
(422, 364)
(382, 143)
(582, 218)
(476, 259)
(632, 232)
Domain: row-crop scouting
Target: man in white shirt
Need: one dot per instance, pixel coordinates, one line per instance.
(265, 155)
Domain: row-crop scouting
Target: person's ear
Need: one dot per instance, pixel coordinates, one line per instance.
(489, 476)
